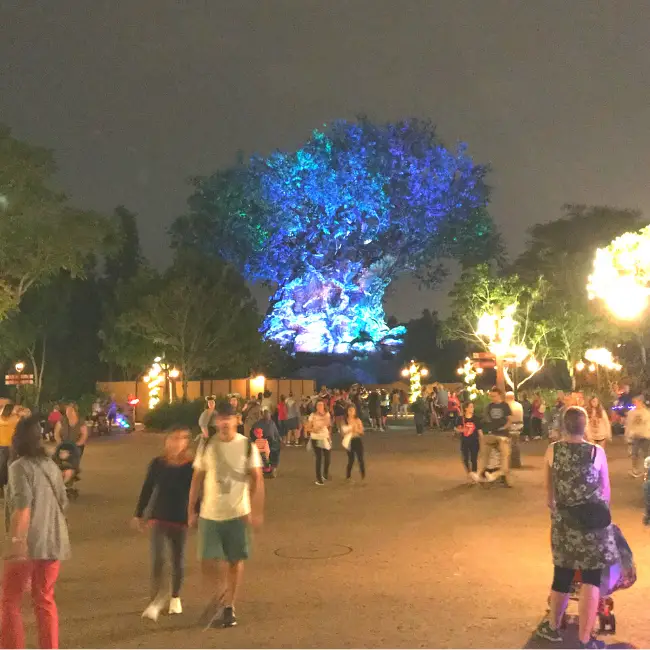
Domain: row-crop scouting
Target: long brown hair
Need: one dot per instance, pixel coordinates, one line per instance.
(596, 412)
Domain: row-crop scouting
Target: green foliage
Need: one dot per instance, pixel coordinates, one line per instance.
(40, 233)
(201, 315)
(167, 415)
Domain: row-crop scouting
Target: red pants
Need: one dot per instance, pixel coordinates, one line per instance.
(17, 574)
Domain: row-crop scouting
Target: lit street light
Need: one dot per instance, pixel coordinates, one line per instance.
(415, 372)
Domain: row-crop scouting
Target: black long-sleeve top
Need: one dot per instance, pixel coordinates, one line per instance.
(166, 490)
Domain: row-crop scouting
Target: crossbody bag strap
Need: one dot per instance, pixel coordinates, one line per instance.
(54, 492)
(238, 476)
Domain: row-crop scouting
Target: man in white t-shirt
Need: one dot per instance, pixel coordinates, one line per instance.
(228, 475)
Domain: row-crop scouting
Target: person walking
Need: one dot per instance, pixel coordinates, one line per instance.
(419, 408)
(374, 409)
(527, 408)
(162, 504)
(470, 433)
(229, 475)
(282, 419)
(496, 426)
(208, 418)
(599, 430)
(353, 427)
(582, 538)
(252, 413)
(516, 427)
(319, 427)
(637, 432)
(71, 429)
(8, 421)
(38, 538)
(394, 404)
(293, 421)
(537, 415)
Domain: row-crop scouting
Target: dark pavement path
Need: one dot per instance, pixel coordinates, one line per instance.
(433, 562)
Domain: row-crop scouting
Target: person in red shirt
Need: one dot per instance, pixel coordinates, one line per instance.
(282, 418)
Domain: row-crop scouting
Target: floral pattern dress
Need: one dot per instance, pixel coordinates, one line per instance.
(576, 481)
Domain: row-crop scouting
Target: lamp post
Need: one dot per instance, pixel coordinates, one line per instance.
(415, 371)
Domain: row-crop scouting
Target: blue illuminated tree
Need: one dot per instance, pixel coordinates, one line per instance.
(330, 226)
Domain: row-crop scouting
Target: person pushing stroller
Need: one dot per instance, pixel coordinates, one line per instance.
(496, 435)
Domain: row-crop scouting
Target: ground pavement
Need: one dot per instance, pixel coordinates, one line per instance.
(413, 558)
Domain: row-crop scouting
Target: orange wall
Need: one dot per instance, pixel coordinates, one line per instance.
(122, 390)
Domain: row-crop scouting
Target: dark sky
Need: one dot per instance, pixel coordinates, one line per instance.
(134, 96)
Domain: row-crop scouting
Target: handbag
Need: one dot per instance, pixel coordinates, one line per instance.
(347, 441)
(589, 517)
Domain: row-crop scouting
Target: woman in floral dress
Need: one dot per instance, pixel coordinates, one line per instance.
(576, 474)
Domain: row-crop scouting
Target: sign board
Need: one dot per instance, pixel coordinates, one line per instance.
(19, 380)
(484, 360)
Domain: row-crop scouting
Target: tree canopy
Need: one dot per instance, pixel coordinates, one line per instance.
(40, 233)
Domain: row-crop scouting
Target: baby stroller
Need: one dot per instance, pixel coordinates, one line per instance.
(617, 577)
(66, 456)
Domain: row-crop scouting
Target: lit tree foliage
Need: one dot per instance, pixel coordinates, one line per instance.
(330, 225)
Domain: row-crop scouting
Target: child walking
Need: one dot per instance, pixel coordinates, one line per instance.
(353, 426)
(470, 431)
(164, 498)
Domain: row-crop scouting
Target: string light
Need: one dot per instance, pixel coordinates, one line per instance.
(469, 373)
(415, 372)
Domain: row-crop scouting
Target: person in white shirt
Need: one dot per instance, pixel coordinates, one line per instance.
(228, 475)
(599, 429)
(319, 427)
(517, 411)
(637, 431)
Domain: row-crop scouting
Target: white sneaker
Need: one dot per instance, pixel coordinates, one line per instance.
(175, 606)
(474, 476)
(153, 611)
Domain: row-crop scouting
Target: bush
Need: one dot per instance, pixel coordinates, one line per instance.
(167, 415)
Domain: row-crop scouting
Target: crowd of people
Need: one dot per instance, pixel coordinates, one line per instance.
(220, 488)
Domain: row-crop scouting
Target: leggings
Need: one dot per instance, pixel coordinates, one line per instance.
(175, 536)
(469, 452)
(563, 578)
(356, 450)
(536, 427)
(322, 454)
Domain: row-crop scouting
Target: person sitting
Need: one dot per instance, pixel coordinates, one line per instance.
(264, 448)
(272, 435)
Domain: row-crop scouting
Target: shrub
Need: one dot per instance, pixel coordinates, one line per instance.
(182, 413)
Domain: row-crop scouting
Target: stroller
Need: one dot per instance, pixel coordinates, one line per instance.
(615, 578)
(66, 456)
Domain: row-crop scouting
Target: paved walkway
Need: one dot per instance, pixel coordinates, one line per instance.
(413, 558)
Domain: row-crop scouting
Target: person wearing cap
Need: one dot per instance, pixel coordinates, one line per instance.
(228, 474)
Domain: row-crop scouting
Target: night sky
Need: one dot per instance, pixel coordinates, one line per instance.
(134, 96)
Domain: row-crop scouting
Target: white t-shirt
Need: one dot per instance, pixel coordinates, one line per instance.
(226, 488)
(517, 411)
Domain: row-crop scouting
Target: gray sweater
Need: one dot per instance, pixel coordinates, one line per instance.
(29, 487)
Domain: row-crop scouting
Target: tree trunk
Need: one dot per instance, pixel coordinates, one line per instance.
(332, 311)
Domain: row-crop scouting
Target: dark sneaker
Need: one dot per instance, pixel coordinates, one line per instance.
(229, 619)
(545, 631)
(593, 644)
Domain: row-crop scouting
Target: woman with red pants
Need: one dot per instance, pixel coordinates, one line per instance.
(38, 535)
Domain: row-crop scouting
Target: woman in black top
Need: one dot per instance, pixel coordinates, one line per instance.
(165, 497)
(469, 429)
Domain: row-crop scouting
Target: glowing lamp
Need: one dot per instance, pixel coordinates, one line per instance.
(592, 367)
(20, 366)
(405, 372)
(532, 365)
(479, 371)
(424, 372)
(174, 373)
(580, 366)
(257, 384)
(459, 371)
